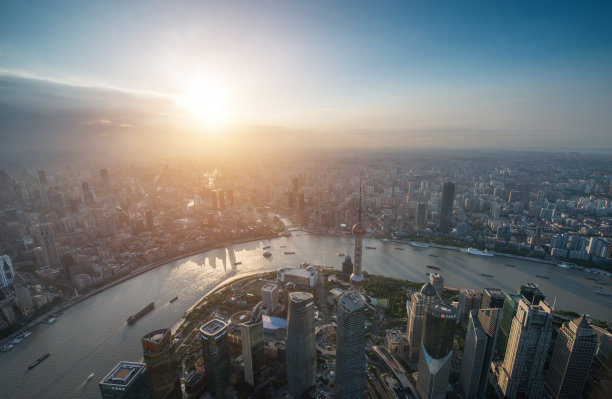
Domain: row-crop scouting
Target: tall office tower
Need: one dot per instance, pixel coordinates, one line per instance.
(508, 313)
(468, 299)
(438, 283)
(215, 349)
(162, 365)
(436, 351)
(252, 334)
(478, 352)
(87, 194)
(56, 201)
(521, 372)
(358, 231)
(105, 179)
(127, 380)
(46, 240)
(347, 266)
(416, 308)
(296, 187)
(221, 195)
(269, 296)
(493, 298)
(571, 361)
(446, 207)
(532, 293)
(421, 216)
(42, 177)
(301, 350)
(230, 197)
(350, 352)
(7, 273)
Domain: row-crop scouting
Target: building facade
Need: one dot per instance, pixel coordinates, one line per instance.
(571, 361)
(269, 297)
(161, 364)
(252, 334)
(416, 308)
(301, 355)
(127, 380)
(508, 313)
(492, 298)
(446, 207)
(46, 240)
(7, 273)
(350, 352)
(215, 350)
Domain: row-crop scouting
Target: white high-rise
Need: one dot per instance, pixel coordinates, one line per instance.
(46, 240)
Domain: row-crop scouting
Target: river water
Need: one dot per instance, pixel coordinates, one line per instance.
(93, 336)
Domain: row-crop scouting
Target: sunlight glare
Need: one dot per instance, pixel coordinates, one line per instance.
(207, 100)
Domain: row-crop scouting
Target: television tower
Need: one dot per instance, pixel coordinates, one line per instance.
(358, 231)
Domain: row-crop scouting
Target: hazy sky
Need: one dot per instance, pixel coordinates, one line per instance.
(397, 73)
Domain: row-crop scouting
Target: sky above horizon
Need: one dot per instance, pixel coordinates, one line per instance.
(416, 73)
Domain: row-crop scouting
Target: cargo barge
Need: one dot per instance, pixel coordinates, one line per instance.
(133, 318)
(38, 361)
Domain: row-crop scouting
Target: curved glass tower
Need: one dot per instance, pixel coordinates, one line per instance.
(350, 352)
(301, 345)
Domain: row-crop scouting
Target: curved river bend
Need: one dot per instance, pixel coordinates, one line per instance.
(93, 336)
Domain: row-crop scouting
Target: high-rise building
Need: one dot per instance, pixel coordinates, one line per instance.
(42, 177)
(438, 283)
(88, 196)
(252, 334)
(127, 380)
(269, 296)
(532, 293)
(215, 349)
(571, 361)
(468, 299)
(521, 372)
(508, 313)
(446, 207)
(301, 345)
(46, 240)
(347, 266)
(7, 273)
(162, 365)
(436, 351)
(358, 231)
(478, 352)
(221, 196)
(493, 298)
(350, 352)
(421, 216)
(105, 179)
(416, 308)
(295, 183)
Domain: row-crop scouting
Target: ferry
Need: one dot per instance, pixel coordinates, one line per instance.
(289, 252)
(90, 376)
(133, 318)
(38, 361)
(486, 275)
(547, 278)
(173, 299)
(474, 251)
(418, 244)
(601, 292)
(433, 267)
(267, 254)
(370, 247)
(566, 265)
(267, 246)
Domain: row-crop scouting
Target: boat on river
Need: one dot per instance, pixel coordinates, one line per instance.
(289, 252)
(267, 254)
(173, 299)
(509, 265)
(418, 244)
(474, 251)
(38, 361)
(90, 376)
(133, 318)
(486, 275)
(433, 267)
(370, 247)
(547, 278)
(601, 292)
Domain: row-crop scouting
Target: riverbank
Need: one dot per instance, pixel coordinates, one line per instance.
(136, 272)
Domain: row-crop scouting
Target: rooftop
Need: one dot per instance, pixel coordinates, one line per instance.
(269, 287)
(157, 335)
(352, 301)
(213, 327)
(300, 296)
(123, 373)
(495, 292)
(298, 271)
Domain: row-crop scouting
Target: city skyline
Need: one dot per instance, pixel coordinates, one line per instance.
(314, 74)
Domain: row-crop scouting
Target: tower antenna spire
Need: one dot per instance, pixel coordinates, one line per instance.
(358, 232)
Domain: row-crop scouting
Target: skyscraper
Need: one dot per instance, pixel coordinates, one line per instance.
(269, 296)
(436, 351)
(521, 372)
(252, 335)
(478, 352)
(105, 179)
(88, 197)
(421, 214)
(127, 380)
(416, 308)
(508, 313)
(358, 231)
(7, 273)
(161, 365)
(301, 346)
(215, 349)
(446, 207)
(532, 293)
(350, 352)
(347, 266)
(468, 299)
(493, 298)
(437, 281)
(571, 361)
(46, 240)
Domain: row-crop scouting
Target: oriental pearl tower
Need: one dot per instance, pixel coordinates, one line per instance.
(358, 231)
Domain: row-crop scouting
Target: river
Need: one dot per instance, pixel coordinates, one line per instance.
(93, 336)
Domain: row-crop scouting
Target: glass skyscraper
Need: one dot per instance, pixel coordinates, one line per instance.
(301, 346)
(350, 347)
(215, 349)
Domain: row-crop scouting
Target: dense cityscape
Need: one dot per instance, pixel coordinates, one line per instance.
(69, 233)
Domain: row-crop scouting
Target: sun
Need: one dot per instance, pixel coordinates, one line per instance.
(206, 100)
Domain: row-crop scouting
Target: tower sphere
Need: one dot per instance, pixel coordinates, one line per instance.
(358, 229)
